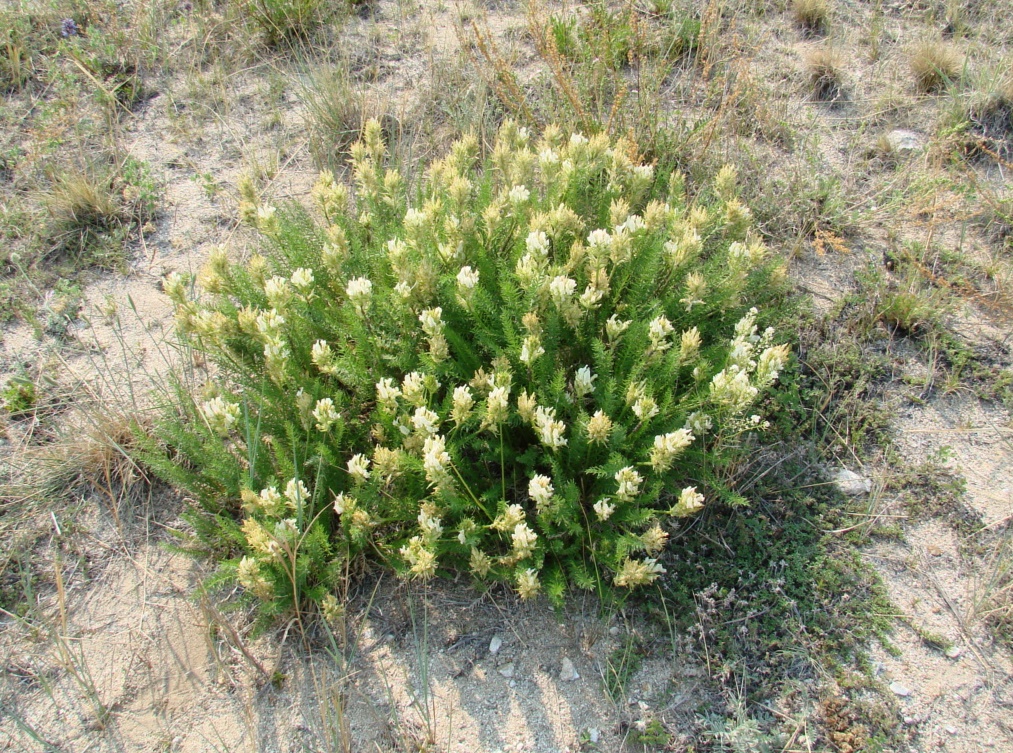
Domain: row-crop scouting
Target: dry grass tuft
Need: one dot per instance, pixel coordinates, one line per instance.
(825, 75)
(812, 16)
(935, 64)
(98, 459)
(335, 113)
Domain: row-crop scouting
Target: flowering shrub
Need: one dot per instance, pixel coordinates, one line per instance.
(529, 368)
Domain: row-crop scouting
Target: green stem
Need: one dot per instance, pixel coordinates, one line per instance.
(470, 493)
(502, 465)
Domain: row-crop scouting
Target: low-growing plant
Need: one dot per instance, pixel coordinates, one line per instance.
(531, 367)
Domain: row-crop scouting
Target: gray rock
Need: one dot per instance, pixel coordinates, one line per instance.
(495, 644)
(902, 690)
(902, 140)
(593, 735)
(507, 670)
(567, 672)
(851, 484)
(954, 652)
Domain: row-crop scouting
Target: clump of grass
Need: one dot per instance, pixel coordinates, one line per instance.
(93, 208)
(335, 113)
(991, 120)
(935, 64)
(287, 20)
(812, 16)
(825, 75)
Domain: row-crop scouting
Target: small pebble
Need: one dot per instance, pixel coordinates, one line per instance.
(495, 644)
(954, 652)
(567, 672)
(593, 735)
(507, 670)
(950, 729)
(613, 630)
(901, 690)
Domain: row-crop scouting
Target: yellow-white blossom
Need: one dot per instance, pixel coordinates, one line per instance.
(496, 407)
(654, 539)
(270, 324)
(343, 502)
(629, 484)
(323, 357)
(359, 291)
(731, 388)
(249, 576)
(561, 289)
(422, 561)
(599, 427)
(645, 408)
(413, 388)
(667, 447)
(467, 278)
(583, 381)
(302, 279)
(696, 287)
(615, 326)
(689, 345)
(358, 468)
(540, 490)
(550, 430)
(220, 414)
(658, 332)
(463, 403)
(296, 493)
(528, 585)
(699, 423)
(386, 462)
(531, 349)
(690, 502)
(591, 298)
(278, 292)
(387, 393)
(508, 519)
(174, 286)
(436, 461)
(604, 508)
(425, 421)
(430, 524)
(526, 405)
(770, 363)
(480, 563)
(332, 610)
(537, 243)
(638, 573)
(518, 195)
(523, 541)
(267, 220)
(324, 414)
(529, 271)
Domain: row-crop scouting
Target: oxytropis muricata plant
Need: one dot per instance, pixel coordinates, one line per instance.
(531, 367)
